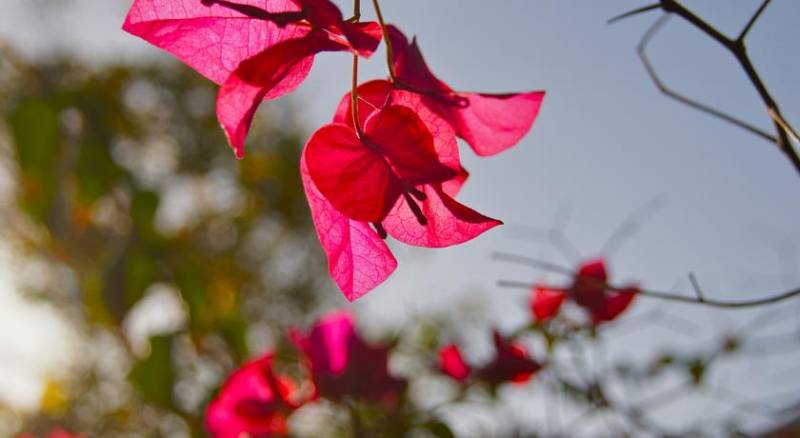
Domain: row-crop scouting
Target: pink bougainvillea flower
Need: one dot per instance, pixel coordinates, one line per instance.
(244, 46)
(452, 363)
(589, 289)
(489, 123)
(254, 401)
(545, 302)
(447, 221)
(589, 285)
(364, 177)
(342, 364)
(358, 259)
(510, 364)
(417, 214)
(614, 304)
(425, 215)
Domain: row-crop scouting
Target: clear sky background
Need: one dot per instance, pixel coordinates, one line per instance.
(606, 143)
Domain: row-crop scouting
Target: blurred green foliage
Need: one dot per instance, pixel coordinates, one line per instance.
(125, 183)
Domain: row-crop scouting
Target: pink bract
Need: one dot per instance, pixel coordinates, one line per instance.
(212, 39)
(342, 364)
(589, 290)
(244, 46)
(363, 178)
(452, 363)
(253, 401)
(545, 303)
(511, 363)
(358, 259)
(489, 123)
(448, 222)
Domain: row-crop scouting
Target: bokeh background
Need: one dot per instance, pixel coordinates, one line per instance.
(126, 217)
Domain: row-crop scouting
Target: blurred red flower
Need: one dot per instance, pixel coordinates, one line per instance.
(452, 363)
(254, 400)
(510, 364)
(589, 290)
(342, 364)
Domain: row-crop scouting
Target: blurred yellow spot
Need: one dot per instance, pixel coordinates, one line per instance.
(54, 398)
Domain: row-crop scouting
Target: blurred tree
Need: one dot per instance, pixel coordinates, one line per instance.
(125, 187)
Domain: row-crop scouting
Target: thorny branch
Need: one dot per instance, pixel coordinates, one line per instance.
(783, 129)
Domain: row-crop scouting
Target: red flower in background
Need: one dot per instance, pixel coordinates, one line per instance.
(489, 123)
(452, 363)
(545, 302)
(344, 183)
(255, 49)
(342, 364)
(511, 363)
(254, 400)
(589, 290)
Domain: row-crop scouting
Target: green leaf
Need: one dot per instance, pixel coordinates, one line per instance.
(34, 124)
(439, 429)
(153, 376)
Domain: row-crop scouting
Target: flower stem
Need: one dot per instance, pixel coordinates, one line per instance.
(387, 40)
(354, 85)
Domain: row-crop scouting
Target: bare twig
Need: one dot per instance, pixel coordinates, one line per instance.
(630, 225)
(685, 298)
(696, 286)
(752, 20)
(641, 49)
(785, 133)
(636, 11)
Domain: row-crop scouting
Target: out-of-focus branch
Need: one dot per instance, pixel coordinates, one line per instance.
(685, 298)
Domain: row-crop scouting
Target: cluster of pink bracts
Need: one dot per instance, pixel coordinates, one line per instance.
(589, 290)
(392, 171)
(340, 366)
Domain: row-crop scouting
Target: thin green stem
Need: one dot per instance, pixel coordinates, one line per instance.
(354, 85)
(354, 98)
(386, 40)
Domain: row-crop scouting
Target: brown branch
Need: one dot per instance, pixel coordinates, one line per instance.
(641, 49)
(739, 51)
(685, 298)
(636, 11)
(752, 20)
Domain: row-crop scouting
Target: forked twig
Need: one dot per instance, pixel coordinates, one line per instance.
(785, 133)
(641, 50)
